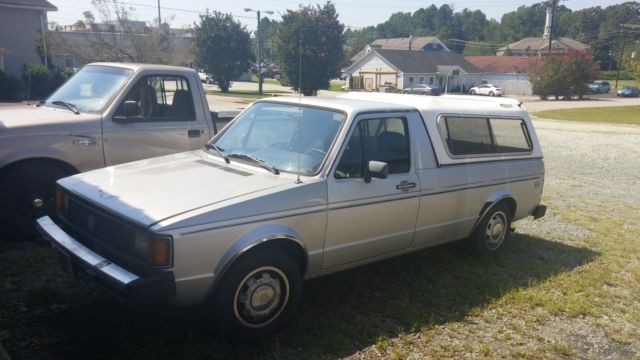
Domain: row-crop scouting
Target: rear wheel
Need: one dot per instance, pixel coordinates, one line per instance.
(258, 295)
(492, 231)
(28, 192)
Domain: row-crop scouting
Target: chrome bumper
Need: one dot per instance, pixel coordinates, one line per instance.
(156, 285)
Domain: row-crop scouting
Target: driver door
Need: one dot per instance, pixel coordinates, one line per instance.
(369, 219)
(165, 122)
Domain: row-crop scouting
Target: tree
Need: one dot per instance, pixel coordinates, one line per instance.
(633, 66)
(563, 75)
(223, 47)
(313, 36)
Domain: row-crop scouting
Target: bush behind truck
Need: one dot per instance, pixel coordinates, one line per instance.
(106, 114)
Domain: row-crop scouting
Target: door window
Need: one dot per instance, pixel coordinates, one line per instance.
(160, 98)
(382, 139)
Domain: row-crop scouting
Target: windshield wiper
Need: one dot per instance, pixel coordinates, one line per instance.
(69, 106)
(218, 150)
(260, 163)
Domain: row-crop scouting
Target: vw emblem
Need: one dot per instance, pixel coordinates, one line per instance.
(91, 222)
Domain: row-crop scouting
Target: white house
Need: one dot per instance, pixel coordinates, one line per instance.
(402, 68)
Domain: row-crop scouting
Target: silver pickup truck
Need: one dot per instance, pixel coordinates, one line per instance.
(106, 114)
(293, 189)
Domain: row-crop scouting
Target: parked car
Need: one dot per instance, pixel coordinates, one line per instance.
(294, 189)
(106, 114)
(205, 78)
(486, 89)
(628, 91)
(599, 87)
(422, 89)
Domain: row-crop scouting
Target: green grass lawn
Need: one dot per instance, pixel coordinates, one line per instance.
(254, 78)
(628, 115)
(336, 85)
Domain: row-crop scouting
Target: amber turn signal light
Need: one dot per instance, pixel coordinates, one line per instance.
(59, 199)
(160, 251)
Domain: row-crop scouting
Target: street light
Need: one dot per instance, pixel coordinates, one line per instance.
(259, 46)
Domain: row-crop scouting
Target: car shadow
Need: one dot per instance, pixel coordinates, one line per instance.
(340, 314)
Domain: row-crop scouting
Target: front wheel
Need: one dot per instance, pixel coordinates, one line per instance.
(27, 192)
(472, 92)
(258, 295)
(491, 93)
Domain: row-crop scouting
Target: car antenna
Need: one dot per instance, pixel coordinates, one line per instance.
(298, 181)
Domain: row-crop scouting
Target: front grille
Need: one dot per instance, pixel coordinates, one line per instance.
(98, 227)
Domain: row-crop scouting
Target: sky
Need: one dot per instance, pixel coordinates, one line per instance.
(353, 13)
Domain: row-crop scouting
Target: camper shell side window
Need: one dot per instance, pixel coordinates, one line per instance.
(484, 136)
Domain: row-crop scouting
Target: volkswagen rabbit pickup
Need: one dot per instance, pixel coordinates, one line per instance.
(294, 189)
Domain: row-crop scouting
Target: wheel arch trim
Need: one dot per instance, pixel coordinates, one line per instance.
(250, 240)
(495, 198)
(41, 159)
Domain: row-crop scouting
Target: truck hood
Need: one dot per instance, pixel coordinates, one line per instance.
(149, 191)
(15, 118)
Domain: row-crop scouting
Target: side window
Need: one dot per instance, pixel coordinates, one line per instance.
(484, 136)
(383, 139)
(160, 98)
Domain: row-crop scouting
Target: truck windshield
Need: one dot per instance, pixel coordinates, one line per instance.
(286, 137)
(91, 89)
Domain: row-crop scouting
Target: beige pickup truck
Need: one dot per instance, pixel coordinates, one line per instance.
(106, 114)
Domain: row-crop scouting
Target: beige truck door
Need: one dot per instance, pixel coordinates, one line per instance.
(158, 116)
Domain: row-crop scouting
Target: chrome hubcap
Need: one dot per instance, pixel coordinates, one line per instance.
(496, 230)
(261, 296)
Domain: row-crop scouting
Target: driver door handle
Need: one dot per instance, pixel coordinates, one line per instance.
(404, 185)
(194, 133)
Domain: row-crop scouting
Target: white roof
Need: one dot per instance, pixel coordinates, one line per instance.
(460, 104)
(137, 66)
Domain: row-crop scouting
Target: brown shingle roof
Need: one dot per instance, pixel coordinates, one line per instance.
(502, 64)
(541, 44)
(35, 4)
(403, 43)
(425, 62)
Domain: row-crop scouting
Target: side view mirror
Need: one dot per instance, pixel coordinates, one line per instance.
(131, 108)
(377, 170)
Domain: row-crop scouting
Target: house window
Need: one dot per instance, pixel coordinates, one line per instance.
(1, 62)
(431, 80)
(411, 79)
(455, 72)
(421, 79)
(68, 63)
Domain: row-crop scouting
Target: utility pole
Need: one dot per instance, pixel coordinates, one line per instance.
(624, 41)
(258, 36)
(159, 30)
(553, 4)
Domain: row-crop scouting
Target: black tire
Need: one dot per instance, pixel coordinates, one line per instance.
(234, 298)
(20, 186)
(491, 93)
(472, 92)
(492, 231)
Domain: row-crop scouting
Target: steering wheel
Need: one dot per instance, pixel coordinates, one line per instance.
(318, 151)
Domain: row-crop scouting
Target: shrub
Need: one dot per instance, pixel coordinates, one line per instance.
(40, 82)
(10, 88)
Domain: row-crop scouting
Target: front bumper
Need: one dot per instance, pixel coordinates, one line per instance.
(78, 259)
